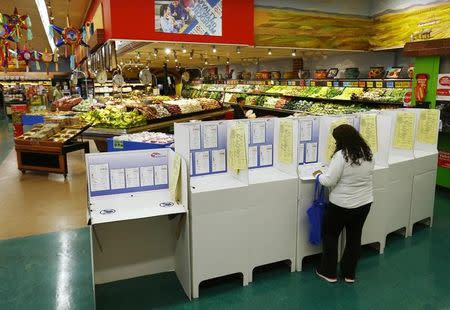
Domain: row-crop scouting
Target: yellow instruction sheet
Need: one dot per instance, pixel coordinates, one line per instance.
(369, 130)
(331, 145)
(285, 143)
(237, 148)
(427, 129)
(404, 131)
(175, 182)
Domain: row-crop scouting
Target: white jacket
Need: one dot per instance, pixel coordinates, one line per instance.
(352, 185)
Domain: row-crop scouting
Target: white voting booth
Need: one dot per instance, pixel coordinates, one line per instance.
(218, 200)
(425, 167)
(401, 169)
(137, 209)
(272, 192)
(308, 145)
(375, 128)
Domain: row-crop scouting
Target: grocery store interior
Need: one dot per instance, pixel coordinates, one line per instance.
(160, 154)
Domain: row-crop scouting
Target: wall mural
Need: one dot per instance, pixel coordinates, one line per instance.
(286, 27)
(302, 29)
(419, 23)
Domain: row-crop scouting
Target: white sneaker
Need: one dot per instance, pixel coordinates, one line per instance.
(330, 280)
(349, 280)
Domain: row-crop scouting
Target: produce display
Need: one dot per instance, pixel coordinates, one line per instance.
(147, 137)
(50, 132)
(186, 105)
(65, 103)
(209, 104)
(173, 109)
(114, 117)
(349, 93)
(87, 105)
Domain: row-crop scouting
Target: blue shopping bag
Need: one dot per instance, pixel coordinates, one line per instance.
(316, 213)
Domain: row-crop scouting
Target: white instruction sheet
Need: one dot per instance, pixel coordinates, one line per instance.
(117, 178)
(311, 152)
(218, 160)
(201, 162)
(252, 156)
(209, 136)
(265, 155)
(194, 136)
(160, 175)
(147, 176)
(306, 128)
(258, 132)
(99, 177)
(301, 153)
(132, 177)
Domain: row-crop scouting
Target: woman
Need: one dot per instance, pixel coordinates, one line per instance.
(350, 177)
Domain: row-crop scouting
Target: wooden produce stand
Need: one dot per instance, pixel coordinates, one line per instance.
(46, 155)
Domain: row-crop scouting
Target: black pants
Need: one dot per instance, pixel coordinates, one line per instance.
(335, 220)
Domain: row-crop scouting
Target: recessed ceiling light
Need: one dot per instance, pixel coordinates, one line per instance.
(167, 50)
(294, 53)
(269, 51)
(214, 49)
(238, 50)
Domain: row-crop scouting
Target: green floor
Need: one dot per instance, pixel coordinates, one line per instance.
(52, 271)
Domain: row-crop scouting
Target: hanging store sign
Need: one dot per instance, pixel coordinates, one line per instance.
(199, 17)
(443, 87)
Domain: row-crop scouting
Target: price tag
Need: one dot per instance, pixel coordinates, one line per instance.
(336, 83)
(402, 85)
(308, 83)
(346, 84)
(362, 84)
(354, 84)
(117, 144)
(313, 83)
(369, 84)
(329, 84)
(390, 84)
(379, 85)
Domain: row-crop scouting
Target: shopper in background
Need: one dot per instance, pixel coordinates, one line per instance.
(350, 177)
(57, 94)
(239, 112)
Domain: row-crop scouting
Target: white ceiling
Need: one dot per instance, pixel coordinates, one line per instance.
(61, 8)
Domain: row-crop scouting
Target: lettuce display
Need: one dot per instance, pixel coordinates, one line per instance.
(349, 92)
(114, 117)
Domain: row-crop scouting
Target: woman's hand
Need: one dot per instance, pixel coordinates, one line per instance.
(315, 173)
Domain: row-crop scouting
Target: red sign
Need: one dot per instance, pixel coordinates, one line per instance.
(407, 99)
(444, 159)
(135, 20)
(444, 80)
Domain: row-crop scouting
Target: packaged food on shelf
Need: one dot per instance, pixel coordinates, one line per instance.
(65, 103)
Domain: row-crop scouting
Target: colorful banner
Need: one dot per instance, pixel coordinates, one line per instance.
(198, 17)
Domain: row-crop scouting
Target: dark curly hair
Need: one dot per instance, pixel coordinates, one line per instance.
(353, 146)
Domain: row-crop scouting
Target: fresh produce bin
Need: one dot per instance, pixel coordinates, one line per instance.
(114, 145)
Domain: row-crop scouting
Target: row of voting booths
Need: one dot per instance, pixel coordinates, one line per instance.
(234, 194)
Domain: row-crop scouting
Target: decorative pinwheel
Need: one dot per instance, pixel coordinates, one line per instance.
(71, 37)
(17, 23)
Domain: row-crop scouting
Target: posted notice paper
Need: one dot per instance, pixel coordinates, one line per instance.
(404, 130)
(132, 177)
(194, 136)
(218, 160)
(209, 136)
(201, 162)
(258, 132)
(147, 176)
(99, 177)
(266, 155)
(252, 156)
(160, 175)
(117, 178)
(306, 128)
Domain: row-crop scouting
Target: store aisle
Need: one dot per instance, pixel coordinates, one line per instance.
(412, 274)
(6, 137)
(51, 271)
(37, 203)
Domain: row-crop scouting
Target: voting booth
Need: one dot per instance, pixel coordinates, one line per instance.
(425, 167)
(308, 143)
(375, 128)
(219, 211)
(401, 169)
(272, 192)
(137, 206)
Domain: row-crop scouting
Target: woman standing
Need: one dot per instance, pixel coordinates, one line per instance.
(350, 177)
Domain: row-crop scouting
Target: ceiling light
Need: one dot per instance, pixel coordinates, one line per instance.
(214, 49)
(191, 54)
(167, 50)
(294, 53)
(238, 50)
(167, 59)
(269, 51)
(183, 49)
(138, 56)
(155, 52)
(43, 13)
(228, 61)
(206, 61)
(176, 59)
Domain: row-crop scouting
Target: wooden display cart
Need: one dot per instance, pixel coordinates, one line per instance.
(46, 155)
